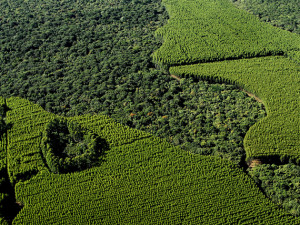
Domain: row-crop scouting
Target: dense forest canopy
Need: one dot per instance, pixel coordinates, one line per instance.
(67, 147)
(281, 183)
(63, 55)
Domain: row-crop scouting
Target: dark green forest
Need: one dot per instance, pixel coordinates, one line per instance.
(94, 57)
(64, 56)
(67, 147)
(281, 183)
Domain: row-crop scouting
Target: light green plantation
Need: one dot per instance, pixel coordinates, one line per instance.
(204, 30)
(142, 180)
(213, 30)
(23, 153)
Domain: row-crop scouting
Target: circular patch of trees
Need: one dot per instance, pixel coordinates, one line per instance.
(67, 147)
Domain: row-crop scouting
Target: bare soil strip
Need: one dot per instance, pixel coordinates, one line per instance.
(252, 95)
(255, 162)
(176, 77)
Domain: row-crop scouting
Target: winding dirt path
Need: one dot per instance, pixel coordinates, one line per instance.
(252, 95)
(176, 77)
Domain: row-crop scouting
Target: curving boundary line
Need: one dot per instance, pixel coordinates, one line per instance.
(276, 81)
(203, 31)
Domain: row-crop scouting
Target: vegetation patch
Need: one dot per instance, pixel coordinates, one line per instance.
(281, 183)
(200, 117)
(76, 57)
(8, 206)
(201, 31)
(67, 147)
(205, 31)
(278, 133)
(96, 58)
(143, 180)
(70, 56)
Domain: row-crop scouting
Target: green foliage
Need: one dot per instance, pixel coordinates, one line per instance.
(3, 194)
(278, 133)
(2, 115)
(8, 207)
(23, 151)
(203, 118)
(24, 154)
(3, 110)
(280, 183)
(95, 58)
(143, 180)
(294, 55)
(205, 30)
(280, 13)
(2, 142)
(2, 126)
(3, 221)
(74, 57)
(3, 181)
(68, 148)
(196, 31)
(201, 31)
(69, 55)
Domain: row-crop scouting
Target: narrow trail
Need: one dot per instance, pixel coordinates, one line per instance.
(251, 95)
(175, 77)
